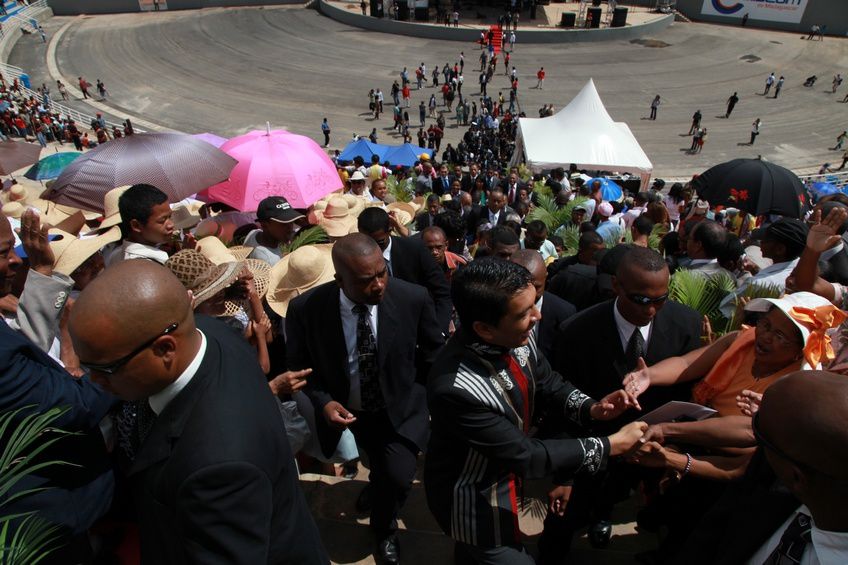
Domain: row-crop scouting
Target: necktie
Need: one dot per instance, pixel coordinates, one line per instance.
(512, 193)
(369, 374)
(794, 540)
(635, 348)
(389, 267)
(133, 423)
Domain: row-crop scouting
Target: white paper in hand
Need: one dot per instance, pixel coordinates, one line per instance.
(675, 411)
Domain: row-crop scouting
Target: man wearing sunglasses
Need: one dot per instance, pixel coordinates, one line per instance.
(212, 474)
(600, 345)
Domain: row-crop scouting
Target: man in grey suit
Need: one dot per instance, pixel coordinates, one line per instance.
(706, 242)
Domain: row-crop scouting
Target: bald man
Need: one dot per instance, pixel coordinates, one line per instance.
(554, 309)
(370, 340)
(791, 506)
(213, 476)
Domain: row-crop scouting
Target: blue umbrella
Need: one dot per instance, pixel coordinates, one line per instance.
(824, 188)
(610, 191)
(51, 166)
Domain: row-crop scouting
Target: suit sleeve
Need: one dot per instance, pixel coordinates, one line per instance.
(430, 339)
(491, 434)
(438, 286)
(29, 381)
(298, 356)
(224, 514)
(40, 307)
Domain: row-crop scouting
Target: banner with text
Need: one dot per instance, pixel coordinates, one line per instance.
(789, 11)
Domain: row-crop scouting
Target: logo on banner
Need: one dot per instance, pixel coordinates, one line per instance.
(723, 9)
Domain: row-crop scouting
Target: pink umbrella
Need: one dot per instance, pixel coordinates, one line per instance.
(275, 163)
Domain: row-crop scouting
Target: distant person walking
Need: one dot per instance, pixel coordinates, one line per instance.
(731, 104)
(83, 84)
(778, 86)
(101, 89)
(655, 104)
(840, 139)
(837, 80)
(42, 34)
(512, 41)
(325, 129)
(769, 83)
(62, 90)
(755, 130)
(540, 78)
(844, 160)
(696, 122)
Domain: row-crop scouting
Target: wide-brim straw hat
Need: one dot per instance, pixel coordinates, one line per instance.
(301, 270)
(403, 206)
(111, 212)
(355, 204)
(261, 272)
(215, 250)
(70, 252)
(336, 218)
(200, 275)
(403, 217)
(184, 218)
(240, 252)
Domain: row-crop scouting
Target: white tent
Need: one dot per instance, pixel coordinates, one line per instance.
(582, 133)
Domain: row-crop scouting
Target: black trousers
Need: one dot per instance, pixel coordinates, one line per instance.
(393, 459)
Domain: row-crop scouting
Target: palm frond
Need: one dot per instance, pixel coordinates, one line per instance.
(570, 239)
(704, 294)
(398, 189)
(29, 541)
(309, 236)
(656, 236)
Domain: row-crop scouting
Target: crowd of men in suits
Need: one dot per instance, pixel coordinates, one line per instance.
(458, 335)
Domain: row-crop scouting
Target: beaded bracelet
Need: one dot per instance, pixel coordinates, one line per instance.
(688, 466)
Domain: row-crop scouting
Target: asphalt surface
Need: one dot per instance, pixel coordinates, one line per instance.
(228, 71)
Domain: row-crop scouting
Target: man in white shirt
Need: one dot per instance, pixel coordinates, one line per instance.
(145, 224)
(277, 220)
(782, 242)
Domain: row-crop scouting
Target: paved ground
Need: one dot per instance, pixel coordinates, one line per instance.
(230, 70)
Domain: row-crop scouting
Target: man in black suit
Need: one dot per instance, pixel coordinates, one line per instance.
(369, 339)
(800, 518)
(494, 212)
(598, 347)
(510, 187)
(442, 182)
(427, 218)
(213, 476)
(408, 259)
(469, 181)
(554, 309)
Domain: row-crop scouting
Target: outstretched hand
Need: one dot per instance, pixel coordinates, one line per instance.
(34, 238)
(638, 380)
(823, 234)
(614, 405)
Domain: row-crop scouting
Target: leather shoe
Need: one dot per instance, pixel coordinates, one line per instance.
(363, 502)
(388, 551)
(599, 534)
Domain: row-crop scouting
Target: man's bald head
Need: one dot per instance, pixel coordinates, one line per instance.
(361, 270)
(352, 247)
(128, 305)
(531, 260)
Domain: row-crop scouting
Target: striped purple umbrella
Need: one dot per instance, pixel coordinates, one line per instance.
(178, 164)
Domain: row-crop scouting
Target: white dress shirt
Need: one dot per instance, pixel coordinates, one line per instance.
(493, 217)
(387, 255)
(625, 328)
(349, 322)
(826, 548)
(131, 250)
(161, 399)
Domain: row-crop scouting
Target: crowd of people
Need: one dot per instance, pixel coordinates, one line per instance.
(199, 351)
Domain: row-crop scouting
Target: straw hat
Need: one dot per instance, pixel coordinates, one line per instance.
(214, 249)
(111, 212)
(403, 217)
(200, 275)
(303, 269)
(355, 204)
(184, 218)
(14, 210)
(402, 206)
(70, 251)
(336, 218)
(240, 252)
(261, 272)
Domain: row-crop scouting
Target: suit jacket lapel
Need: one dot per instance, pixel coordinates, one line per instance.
(658, 339)
(334, 338)
(612, 337)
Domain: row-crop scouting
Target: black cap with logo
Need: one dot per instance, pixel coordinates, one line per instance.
(277, 209)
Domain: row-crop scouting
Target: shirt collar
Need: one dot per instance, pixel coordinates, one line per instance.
(133, 250)
(347, 305)
(624, 326)
(161, 399)
(387, 252)
(776, 268)
(699, 262)
(832, 252)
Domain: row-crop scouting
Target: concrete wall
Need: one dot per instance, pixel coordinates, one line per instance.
(386, 25)
(832, 13)
(12, 32)
(74, 7)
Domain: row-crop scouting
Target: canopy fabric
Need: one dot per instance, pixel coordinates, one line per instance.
(405, 155)
(582, 133)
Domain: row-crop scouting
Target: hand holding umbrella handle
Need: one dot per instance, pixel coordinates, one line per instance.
(36, 244)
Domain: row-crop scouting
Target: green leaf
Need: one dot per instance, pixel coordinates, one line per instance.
(308, 236)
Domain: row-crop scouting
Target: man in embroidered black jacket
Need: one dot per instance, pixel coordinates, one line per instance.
(484, 390)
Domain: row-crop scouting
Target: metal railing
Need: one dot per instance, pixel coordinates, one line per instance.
(29, 25)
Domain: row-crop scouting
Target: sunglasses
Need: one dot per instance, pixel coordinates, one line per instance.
(646, 300)
(115, 366)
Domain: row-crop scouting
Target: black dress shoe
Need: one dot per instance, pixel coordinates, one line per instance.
(363, 502)
(388, 551)
(599, 534)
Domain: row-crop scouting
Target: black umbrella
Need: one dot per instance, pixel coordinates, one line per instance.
(753, 185)
(179, 165)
